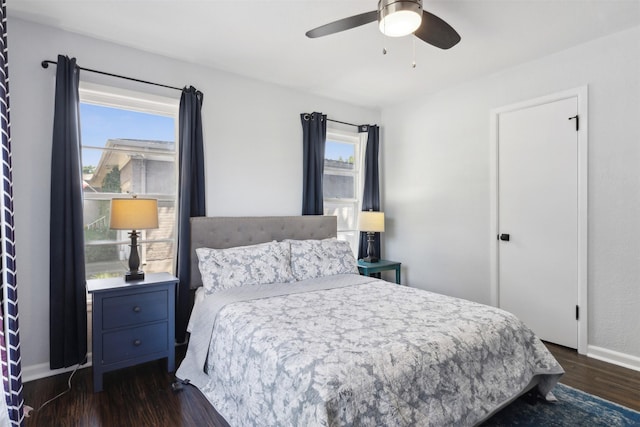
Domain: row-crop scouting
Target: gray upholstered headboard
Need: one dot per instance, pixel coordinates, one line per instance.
(228, 232)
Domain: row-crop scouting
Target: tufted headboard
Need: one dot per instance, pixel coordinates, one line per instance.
(228, 232)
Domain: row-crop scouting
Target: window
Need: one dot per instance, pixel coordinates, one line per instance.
(342, 186)
(128, 147)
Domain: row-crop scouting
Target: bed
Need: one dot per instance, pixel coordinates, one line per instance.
(319, 345)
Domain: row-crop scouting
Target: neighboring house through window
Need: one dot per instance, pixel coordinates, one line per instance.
(342, 182)
(128, 147)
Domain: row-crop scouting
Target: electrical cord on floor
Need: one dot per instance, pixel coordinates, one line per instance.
(28, 409)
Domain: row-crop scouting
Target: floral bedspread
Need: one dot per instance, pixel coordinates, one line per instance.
(355, 351)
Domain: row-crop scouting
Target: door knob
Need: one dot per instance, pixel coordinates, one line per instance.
(504, 237)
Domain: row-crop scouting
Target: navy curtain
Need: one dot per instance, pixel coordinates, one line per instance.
(191, 196)
(67, 294)
(371, 194)
(314, 137)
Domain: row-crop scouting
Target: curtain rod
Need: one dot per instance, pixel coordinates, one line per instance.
(307, 116)
(344, 123)
(46, 62)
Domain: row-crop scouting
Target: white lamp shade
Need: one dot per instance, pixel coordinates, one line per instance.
(371, 221)
(400, 18)
(134, 214)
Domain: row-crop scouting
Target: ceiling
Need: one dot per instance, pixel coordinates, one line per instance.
(264, 39)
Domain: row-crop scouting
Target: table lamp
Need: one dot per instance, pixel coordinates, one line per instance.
(134, 214)
(371, 222)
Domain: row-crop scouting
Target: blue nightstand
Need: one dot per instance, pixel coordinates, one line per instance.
(369, 268)
(133, 322)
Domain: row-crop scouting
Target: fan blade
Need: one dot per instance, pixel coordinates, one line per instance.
(343, 24)
(436, 32)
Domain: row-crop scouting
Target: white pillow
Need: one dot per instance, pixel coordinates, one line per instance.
(317, 258)
(244, 265)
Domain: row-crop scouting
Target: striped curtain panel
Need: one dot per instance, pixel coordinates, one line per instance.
(12, 405)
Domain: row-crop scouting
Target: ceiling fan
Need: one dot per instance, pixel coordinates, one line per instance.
(398, 18)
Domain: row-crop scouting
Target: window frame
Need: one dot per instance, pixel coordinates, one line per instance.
(355, 139)
(113, 97)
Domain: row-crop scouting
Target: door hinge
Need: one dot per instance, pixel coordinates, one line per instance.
(577, 118)
(577, 312)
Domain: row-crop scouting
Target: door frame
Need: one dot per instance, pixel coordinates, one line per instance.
(581, 94)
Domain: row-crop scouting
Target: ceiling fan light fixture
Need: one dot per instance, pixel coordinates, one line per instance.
(399, 18)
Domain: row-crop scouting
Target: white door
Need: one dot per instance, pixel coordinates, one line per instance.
(537, 175)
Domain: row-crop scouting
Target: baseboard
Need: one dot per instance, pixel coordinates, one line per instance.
(614, 357)
(42, 370)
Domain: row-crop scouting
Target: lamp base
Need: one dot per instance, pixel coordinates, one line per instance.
(371, 250)
(134, 275)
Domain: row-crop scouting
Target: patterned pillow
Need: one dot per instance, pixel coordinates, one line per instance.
(317, 258)
(244, 265)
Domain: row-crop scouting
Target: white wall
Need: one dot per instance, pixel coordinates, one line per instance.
(252, 134)
(435, 155)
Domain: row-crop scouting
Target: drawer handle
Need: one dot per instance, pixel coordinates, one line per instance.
(137, 309)
(137, 342)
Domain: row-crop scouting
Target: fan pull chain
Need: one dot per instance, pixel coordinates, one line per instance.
(384, 39)
(413, 64)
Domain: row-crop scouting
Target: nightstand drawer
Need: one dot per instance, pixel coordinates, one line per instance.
(134, 342)
(134, 309)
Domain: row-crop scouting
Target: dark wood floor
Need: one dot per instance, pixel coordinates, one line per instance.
(610, 382)
(139, 396)
(142, 395)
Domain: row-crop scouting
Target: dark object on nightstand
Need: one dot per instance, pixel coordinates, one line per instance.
(371, 252)
(133, 322)
(369, 268)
